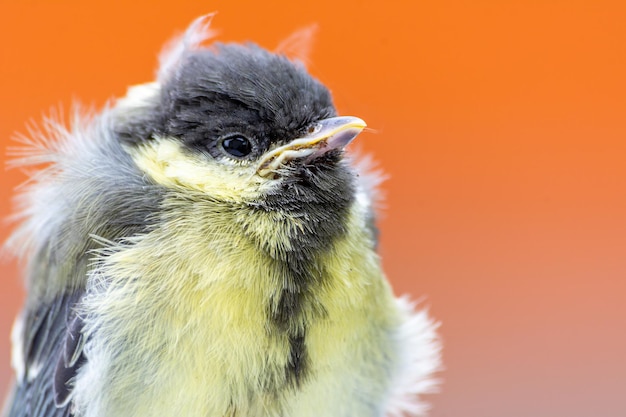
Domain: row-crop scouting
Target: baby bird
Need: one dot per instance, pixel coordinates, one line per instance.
(203, 248)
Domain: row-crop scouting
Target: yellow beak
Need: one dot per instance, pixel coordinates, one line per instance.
(323, 136)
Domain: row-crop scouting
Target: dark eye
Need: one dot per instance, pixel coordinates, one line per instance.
(237, 146)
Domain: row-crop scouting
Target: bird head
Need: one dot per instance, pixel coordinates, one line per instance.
(240, 125)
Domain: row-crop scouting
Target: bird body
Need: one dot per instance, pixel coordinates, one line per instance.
(248, 357)
(203, 248)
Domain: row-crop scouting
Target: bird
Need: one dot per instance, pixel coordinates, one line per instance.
(205, 246)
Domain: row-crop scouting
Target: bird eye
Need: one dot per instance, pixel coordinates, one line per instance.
(237, 146)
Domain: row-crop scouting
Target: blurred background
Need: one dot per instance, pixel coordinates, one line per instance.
(501, 126)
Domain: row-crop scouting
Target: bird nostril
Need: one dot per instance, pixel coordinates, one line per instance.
(314, 128)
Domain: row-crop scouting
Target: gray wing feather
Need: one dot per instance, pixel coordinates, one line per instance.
(52, 354)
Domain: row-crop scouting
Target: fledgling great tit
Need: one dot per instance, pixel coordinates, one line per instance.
(202, 248)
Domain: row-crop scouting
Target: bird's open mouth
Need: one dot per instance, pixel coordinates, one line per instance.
(322, 137)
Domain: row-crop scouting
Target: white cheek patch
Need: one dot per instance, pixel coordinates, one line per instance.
(168, 164)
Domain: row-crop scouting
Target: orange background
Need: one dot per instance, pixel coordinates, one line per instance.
(502, 127)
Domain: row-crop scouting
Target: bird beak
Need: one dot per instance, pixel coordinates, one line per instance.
(322, 137)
